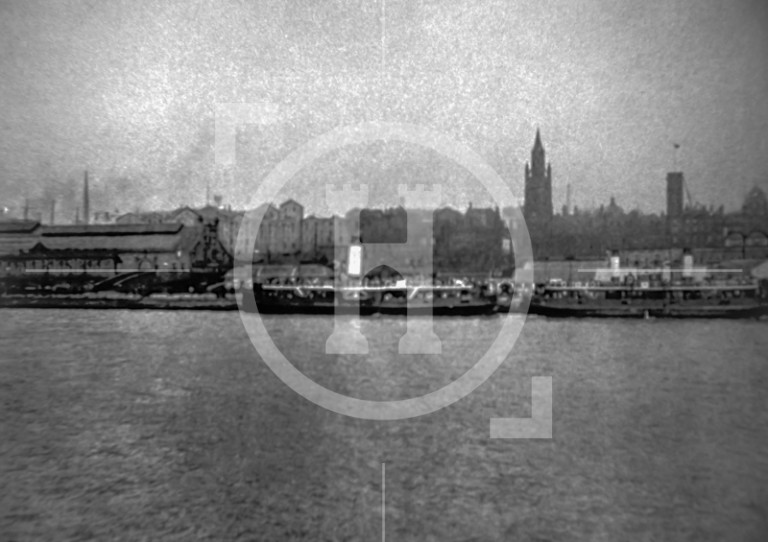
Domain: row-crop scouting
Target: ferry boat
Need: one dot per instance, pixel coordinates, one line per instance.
(744, 299)
(399, 298)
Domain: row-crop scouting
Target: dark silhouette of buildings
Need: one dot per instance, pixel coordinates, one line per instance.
(479, 239)
(585, 234)
(135, 257)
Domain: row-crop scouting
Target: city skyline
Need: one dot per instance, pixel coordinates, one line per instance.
(129, 95)
(384, 198)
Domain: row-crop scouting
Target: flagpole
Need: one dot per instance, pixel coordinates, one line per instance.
(675, 147)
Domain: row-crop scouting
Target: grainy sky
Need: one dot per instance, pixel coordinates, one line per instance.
(128, 90)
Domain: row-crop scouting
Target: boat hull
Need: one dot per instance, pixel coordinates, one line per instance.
(757, 312)
(126, 303)
(564, 311)
(638, 311)
(266, 306)
(247, 304)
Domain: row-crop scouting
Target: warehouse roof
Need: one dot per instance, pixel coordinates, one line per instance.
(19, 226)
(179, 237)
(111, 230)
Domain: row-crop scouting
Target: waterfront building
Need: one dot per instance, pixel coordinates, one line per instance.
(746, 232)
(263, 233)
(18, 235)
(286, 229)
(104, 217)
(228, 221)
(419, 241)
(151, 217)
(185, 215)
(317, 238)
(111, 249)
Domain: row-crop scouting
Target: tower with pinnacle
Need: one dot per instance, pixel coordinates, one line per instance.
(538, 185)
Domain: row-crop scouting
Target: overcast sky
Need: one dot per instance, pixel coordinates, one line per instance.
(127, 89)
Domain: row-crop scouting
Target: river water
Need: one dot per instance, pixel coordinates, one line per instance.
(168, 425)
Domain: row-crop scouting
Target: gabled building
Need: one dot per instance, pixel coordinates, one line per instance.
(317, 238)
(185, 215)
(18, 235)
(285, 230)
(116, 248)
(151, 217)
(291, 210)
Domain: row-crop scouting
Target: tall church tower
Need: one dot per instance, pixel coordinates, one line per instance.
(538, 185)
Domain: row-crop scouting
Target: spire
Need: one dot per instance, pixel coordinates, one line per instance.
(538, 162)
(86, 203)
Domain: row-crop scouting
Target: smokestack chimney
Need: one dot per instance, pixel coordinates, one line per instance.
(53, 210)
(86, 203)
(26, 209)
(674, 194)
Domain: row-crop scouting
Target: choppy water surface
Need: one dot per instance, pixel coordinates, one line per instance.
(152, 425)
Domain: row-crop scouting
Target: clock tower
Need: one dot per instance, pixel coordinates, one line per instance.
(538, 185)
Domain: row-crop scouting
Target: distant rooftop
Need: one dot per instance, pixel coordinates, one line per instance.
(18, 226)
(111, 229)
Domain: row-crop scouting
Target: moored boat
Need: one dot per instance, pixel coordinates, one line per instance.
(120, 301)
(739, 300)
(397, 299)
(448, 300)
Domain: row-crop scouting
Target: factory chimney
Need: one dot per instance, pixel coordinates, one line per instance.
(86, 203)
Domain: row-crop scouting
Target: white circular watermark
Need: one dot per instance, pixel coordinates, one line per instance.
(268, 190)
